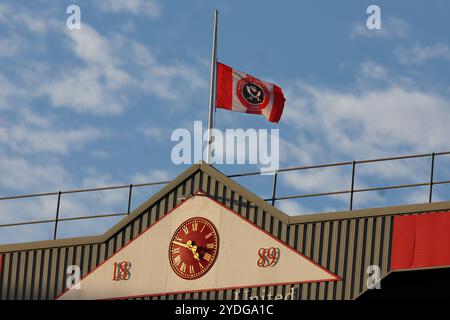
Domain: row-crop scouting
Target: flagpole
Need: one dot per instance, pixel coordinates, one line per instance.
(212, 89)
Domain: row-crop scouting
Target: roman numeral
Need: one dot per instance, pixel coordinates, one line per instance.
(201, 266)
(177, 260)
(176, 250)
(183, 267)
(194, 226)
(207, 257)
(186, 230)
(191, 269)
(208, 235)
(210, 246)
(203, 228)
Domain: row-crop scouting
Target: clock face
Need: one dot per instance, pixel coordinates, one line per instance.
(193, 248)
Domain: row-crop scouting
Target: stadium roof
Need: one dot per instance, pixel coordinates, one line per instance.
(346, 243)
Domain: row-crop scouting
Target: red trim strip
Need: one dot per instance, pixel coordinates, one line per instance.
(224, 87)
(221, 289)
(278, 104)
(202, 193)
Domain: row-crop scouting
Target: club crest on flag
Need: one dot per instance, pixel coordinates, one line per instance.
(252, 93)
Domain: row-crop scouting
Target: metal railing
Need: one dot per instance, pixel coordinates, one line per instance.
(273, 199)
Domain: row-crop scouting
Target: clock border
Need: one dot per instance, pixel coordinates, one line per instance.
(217, 250)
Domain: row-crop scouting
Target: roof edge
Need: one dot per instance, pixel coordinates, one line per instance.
(250, 196)
(371, 212)
(33, 245)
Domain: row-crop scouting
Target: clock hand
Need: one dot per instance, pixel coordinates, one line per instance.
(195, 253)
(187, 245)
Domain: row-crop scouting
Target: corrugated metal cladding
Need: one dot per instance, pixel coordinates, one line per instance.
(344, 246)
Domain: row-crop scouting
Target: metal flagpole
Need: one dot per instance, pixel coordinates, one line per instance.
(212, 89)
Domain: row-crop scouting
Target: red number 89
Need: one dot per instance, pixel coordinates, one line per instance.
(268, 257)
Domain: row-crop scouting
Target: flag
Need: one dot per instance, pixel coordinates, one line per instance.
(238, 91)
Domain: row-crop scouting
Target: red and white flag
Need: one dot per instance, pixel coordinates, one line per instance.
(238, 91)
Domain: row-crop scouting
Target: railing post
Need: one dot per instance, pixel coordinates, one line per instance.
(274, 188)
(352, 188)
(129, 198)
(57, 215)
(431, 177)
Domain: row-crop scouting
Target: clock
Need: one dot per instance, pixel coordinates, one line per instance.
(193, 248)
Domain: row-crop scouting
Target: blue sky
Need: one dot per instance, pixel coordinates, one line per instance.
(96, 106)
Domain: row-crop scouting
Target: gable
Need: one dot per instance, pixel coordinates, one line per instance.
(239, 255)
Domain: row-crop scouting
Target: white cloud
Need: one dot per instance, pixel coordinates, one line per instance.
(21, 17)
(11, 46)
(150, 8)
(6, 90)
(10, 93)
(326, 180)
(370, 69)
(291, 207)
(154, 133)
(154, 175)
(316, 180)
(420, 54)
(34, 134)
(31, 118)
(331, 125)
(20, 210)
(100, 154)
(112, 68)
(24, 175)
(391, 28)
(23, 139)
(373, 121)
(30, 177)
(82, 90)
(93, 88)
(110, 200)
(90, 46)
(172, 82)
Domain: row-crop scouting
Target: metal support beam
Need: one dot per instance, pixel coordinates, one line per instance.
(57, 215)
(430, 197)
(274, 189)
(352, 188)
(129, 198)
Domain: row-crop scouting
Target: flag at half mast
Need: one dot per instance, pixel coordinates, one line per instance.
(241, 92)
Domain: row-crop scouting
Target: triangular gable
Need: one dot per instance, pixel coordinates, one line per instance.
(243, 256)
